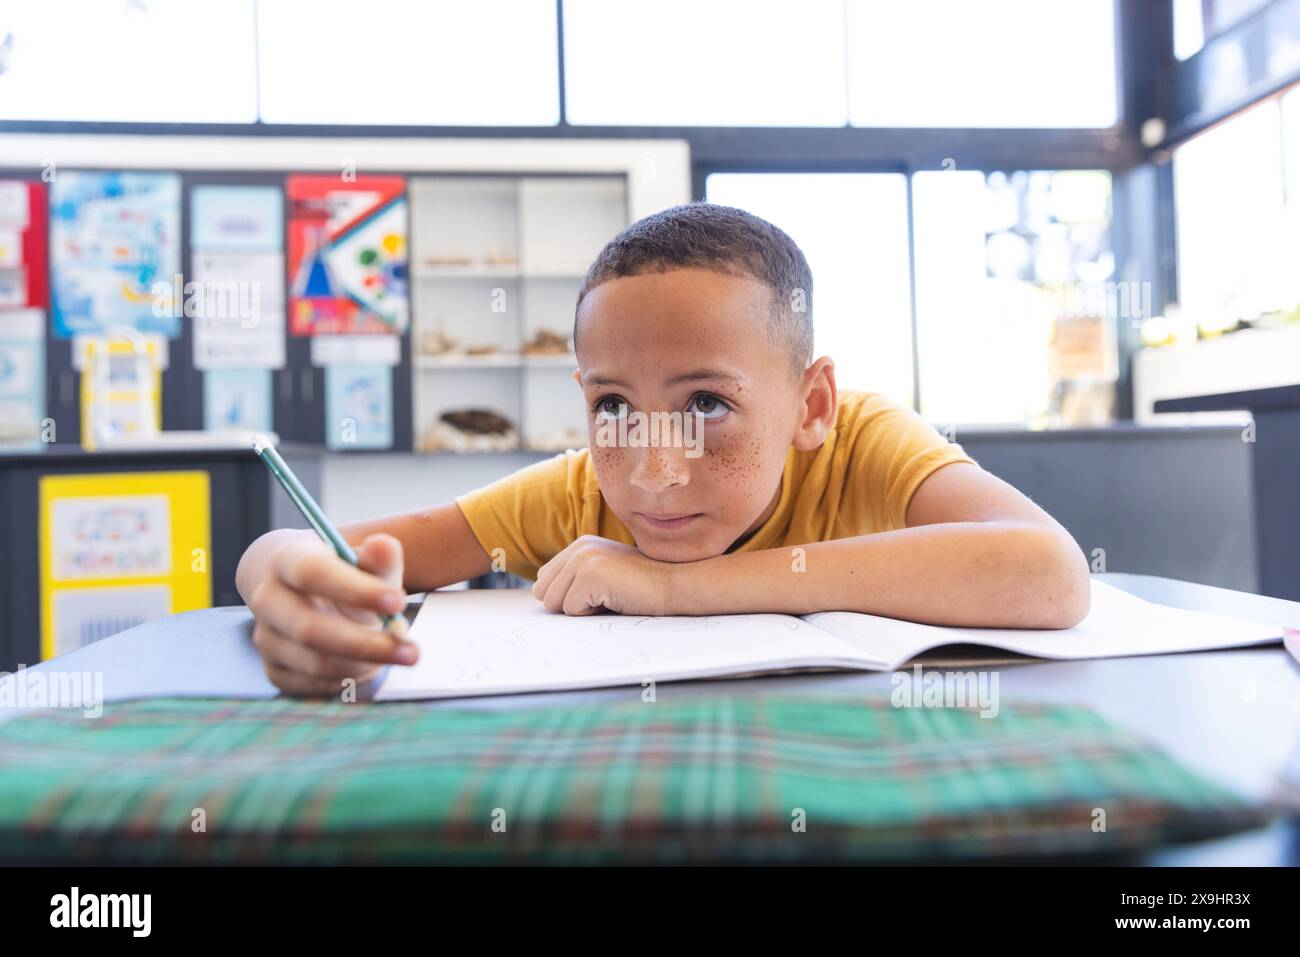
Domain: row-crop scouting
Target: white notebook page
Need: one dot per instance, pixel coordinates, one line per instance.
(1118, 624)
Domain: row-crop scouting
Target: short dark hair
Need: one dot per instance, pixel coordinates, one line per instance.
(723, 239)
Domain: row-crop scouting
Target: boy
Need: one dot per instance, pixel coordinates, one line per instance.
(789, 497)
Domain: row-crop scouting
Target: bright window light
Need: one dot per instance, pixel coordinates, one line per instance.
(128, 61)
(401, 62)
(995, 63)
(1000, 258)
(721, 63)
(1228, 191)
(853, 229)
(1189, 28)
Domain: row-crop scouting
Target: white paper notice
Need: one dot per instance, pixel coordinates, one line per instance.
(238, 310)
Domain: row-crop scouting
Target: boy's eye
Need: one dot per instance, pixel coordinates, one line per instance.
(611, 407)
(709, 406)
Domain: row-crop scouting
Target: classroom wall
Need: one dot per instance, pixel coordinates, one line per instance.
(1159, 501)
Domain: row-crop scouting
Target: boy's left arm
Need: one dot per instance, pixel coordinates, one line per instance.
(976, 553)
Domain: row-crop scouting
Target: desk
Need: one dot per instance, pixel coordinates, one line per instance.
(1275, 467)
(1233, 716)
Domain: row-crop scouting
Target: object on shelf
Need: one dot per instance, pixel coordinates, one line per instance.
(470, 430)
(436, 342)
(547, 343)
(485, 349)
(557, 440)
(443, 262)
(495, 257)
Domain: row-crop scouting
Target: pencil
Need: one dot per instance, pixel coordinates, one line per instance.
(307, 505)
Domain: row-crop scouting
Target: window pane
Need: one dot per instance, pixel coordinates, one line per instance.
(1291, 212)
(164, 61)
(853, 229)
(721, 63)
(395, 62)
(1228, 193)
(995, 63)
(1005, 263)
(1189, 28)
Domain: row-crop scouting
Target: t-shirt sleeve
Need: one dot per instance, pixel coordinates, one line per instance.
(530, 515)
(893, 451)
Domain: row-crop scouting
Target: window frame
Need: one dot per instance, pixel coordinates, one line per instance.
(1150, 83)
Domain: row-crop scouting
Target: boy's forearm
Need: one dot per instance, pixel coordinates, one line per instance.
(975, 574)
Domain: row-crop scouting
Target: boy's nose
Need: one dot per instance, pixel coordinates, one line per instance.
(658, 469)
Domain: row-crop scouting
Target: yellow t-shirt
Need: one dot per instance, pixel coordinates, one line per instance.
(859, 481)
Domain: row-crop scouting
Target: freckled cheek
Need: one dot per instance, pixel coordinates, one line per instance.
(741, 465)
(612, 464)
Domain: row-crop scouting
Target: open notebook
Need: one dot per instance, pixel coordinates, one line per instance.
(501, 641)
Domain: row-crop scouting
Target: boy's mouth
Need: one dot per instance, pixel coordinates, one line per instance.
(668, 521)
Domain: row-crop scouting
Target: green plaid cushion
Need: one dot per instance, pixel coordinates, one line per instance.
(722, 778)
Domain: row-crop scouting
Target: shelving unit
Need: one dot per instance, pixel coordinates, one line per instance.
(496, 264)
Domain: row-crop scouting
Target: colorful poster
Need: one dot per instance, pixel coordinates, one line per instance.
(120, 548)
(22, 376)
(236, 291)
(347, 255)
(124, 536)
(237, 399)
(358, 407)
(121, 387)
(115, 245)
(23, 255)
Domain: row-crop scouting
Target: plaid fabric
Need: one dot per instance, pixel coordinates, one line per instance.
(722, 778)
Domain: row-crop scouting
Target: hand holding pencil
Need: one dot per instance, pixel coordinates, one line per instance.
(324, 611)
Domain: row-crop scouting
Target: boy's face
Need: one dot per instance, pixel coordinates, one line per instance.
(694, 342)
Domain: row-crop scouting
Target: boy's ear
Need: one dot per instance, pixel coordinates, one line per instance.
(820, 401)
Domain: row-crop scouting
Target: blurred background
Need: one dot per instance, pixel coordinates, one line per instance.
(361, 226)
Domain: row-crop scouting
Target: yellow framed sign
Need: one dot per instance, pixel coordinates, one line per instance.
(121, 387)
(118, 549)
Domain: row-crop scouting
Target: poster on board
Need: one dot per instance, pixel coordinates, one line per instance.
(236, 292)
(23, 247)
(347, 249)
(22, 377)
(237, 399)
(118, 549)
(114, 248)
(358, 407)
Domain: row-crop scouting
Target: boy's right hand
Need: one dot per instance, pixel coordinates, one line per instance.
(317, 616)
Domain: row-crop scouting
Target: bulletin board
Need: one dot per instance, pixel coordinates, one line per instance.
(118, 549)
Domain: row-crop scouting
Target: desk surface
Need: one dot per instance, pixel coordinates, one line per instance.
(1234, 716)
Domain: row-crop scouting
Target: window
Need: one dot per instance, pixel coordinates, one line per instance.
(853, 229)
(995, 63)
(1004, 262)
(1228, 192)
(1195, 21)
(161, 61)
(1189, 28)
(1290, 104)
(394, 62)
(721, 63)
